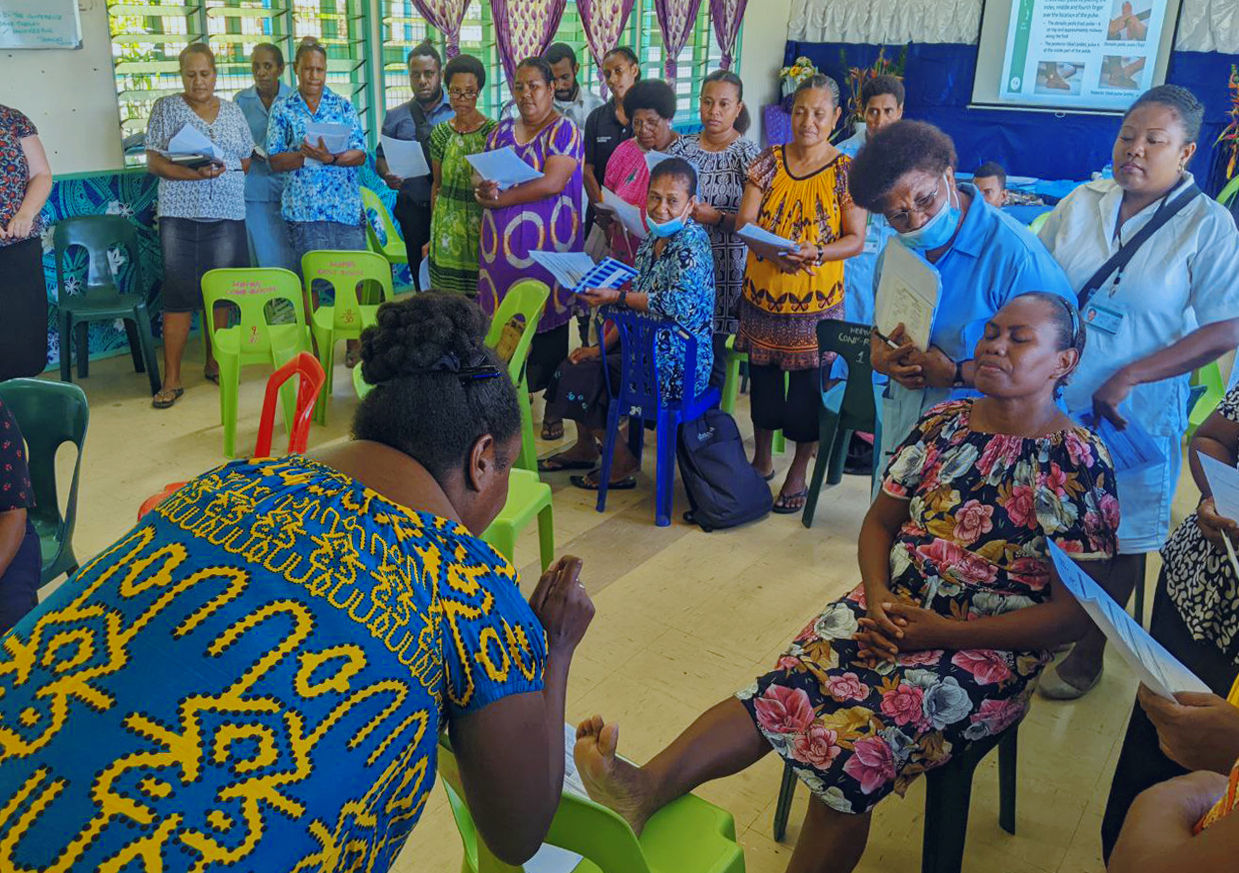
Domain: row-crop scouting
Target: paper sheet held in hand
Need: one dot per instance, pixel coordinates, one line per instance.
(654, 157)
(334, 137)
(405, 157)
(1155, 666)
(577, 270)
(765, 243)
(627, 214)
(190, 141)
(907, 294)
(502, 166)
(1131, 449)
(1224, 483)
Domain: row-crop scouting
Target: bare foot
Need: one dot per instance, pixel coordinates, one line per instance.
(616, 784)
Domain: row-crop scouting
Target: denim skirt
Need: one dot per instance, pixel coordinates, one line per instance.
(192, 247)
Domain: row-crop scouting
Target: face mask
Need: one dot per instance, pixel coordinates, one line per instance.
(667, 228)
(936, 232)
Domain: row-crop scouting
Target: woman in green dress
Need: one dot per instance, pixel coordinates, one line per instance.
(456, 217)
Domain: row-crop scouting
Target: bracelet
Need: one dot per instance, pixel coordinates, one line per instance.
(623, 298)
(722, 218)
(959, 375)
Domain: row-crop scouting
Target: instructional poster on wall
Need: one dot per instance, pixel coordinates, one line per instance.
(1084, 54)
(39, 24)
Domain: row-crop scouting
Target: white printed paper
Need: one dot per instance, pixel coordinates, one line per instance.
(1156, 667)
(1224, 483)
(628, 215)
(654, 157)
(755, 234)
(189, 140)
(404, 157)
(577, 270)
(503, 166)
(334, 137)
(907, 294)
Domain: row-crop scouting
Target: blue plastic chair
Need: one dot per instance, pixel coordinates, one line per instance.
(639, 399)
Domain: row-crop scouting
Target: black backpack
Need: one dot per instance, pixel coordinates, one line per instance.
(723, 488)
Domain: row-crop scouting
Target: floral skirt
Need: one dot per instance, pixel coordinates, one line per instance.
(854, 734)
(787, 341)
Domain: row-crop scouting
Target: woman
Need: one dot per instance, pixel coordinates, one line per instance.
(542, 214)
(799, 192)
(650, 106)
(21, 561)
(722, 156)
(299, 630)
(201, 211)
(456, 217)
(609, 125)
(940, 644)
(268, 233)
(983, 261)
(1172, 308)
(25, 183)
(1195, 616)
(675, 280)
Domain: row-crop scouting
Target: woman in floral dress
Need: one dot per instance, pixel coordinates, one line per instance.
(955, 617)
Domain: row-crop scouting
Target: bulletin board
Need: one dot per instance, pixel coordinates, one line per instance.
(39, 24)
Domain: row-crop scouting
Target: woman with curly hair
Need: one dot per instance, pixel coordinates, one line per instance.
(954, 619)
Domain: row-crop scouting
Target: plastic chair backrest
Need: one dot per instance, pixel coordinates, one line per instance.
(49, 414)
(524, 303)
(1230, 194)
(850, 341)
(372, 202)
(638, 331)
(580, 825)
(98, 234)
(251, 290)
(344, 270)
(312, 376)
(1036, 223)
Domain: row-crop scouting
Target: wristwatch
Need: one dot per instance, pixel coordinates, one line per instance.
(959, 376)
(623, 297)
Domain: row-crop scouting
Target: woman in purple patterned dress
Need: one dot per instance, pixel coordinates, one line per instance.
(544, 214)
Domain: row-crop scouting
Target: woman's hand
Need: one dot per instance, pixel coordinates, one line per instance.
(584, 353)
(937, 370)
(318, 152)
(210, 171)
(393, 181)
(803, 260)
(1199, 732)
(599, 296)
(604, 218)
(1212, 525)
(1107, 398)
(562, 605)
(704, 213)
(487, 193)
(19, 227)
(919, 628)
(894, 362)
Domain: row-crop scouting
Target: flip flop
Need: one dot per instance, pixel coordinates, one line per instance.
(781, 504)
(211, 377)
(769, 475)
(626, 484)
(167, 404)
(554, 430)
(554, 465)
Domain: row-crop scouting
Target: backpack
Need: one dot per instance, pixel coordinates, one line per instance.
(723, 488)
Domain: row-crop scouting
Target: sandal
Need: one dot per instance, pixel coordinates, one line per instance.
(211, 377)
(554, 430)
(766, 476)
(169, 395)
(554, 464)
(783, 506)
(589, 482)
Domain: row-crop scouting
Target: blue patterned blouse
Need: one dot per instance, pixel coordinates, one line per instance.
(254, 678)
(680, 286)
(322, 193)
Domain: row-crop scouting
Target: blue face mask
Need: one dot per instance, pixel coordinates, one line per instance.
(936, 232)
(667, 228)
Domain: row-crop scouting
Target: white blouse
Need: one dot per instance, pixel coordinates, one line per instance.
(1186, 275)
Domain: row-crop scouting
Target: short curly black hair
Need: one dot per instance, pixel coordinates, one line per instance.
(652, 94)
(433, 417)
(1185, 104)
(896, 150)
(466, 65)
(879, 85)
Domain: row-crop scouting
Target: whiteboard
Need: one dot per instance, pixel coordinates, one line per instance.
(39, 24)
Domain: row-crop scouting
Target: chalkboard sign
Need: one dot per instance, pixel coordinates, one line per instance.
(39, 24)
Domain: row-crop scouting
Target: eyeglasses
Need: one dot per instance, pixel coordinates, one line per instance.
(921, 206)
(461, 95)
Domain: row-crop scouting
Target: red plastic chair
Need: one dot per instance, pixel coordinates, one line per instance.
(310, 384)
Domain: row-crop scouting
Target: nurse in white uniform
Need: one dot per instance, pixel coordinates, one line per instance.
(1173, 308)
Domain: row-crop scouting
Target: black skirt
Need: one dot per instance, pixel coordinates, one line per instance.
(23, 296)
(579, 391)
(190, 249)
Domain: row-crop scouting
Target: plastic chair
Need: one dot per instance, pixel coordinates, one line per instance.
(948, 792)
(1208, 377)
(50, 414)
(639, 398)
(310, 383)
(254, 340)
(731, 389)
(687, 835)
(1036, 223)
(393, 249)
(527, 496)
(847, 406)
(526, 300)
(101, 298)
(1227, 197)
(346, 316)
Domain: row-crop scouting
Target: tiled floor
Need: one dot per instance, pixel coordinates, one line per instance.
(684, 618)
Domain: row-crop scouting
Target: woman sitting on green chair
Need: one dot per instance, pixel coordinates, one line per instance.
(20, 558)
(954, 619)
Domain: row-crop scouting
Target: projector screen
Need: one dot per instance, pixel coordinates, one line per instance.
(1072, 55)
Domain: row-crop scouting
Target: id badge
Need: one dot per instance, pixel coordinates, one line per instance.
(1104, 318)
(873, 239)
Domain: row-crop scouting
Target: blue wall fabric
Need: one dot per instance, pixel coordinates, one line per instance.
(938, 78)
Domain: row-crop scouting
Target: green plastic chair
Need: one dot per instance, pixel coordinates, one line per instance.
(847, 406)
(1036, 223)
(527, 496)
(254, 340)
(394, 249)
(101, 298)
(1208, 377)
(346, 316)
(50, 414)
(687, 835)
(731, 389)
(1227, 195)
(526, 300)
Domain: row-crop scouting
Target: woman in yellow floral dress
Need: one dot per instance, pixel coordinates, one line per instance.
(800, 192)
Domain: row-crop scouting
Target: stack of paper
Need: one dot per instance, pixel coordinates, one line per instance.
(577, 270)
(1131, 449)
(334, 138)
(628, 215)
(192, 148)
(907, 294)
(404, 157)
(503, 166)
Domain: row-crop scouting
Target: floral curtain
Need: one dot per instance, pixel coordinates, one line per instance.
(445, 16)
(676, 19)
(603, 22)
(524, 28)
(726, 15)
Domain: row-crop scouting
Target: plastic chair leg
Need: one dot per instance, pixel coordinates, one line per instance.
(1140, 602)
(838, 456)
(326, 353)
(66, 346)
(546, 536)
(83, 349)
(146, 340)
(731, 384)
(135, 346)
(528, 458)
(826, 436)
(787, 791)
(664, 472)
(229, 385)
(608, 453)
(947, 795)
(1008, 755)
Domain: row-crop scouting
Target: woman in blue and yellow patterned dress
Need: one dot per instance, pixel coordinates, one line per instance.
(256, 676)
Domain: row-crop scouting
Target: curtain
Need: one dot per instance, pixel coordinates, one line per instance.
(603, 22)
(726, 16)
(524, 28)
(445, 16)
(676, 19)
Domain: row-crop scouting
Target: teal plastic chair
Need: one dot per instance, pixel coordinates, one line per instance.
(687, 835)
(50, 414)
(731, 389)
(528, 496)
(258, 294)
(346, 317)
(511, 333)
(393, 249)
(101, 298)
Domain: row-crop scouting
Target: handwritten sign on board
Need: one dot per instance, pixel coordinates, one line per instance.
(39, 24)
